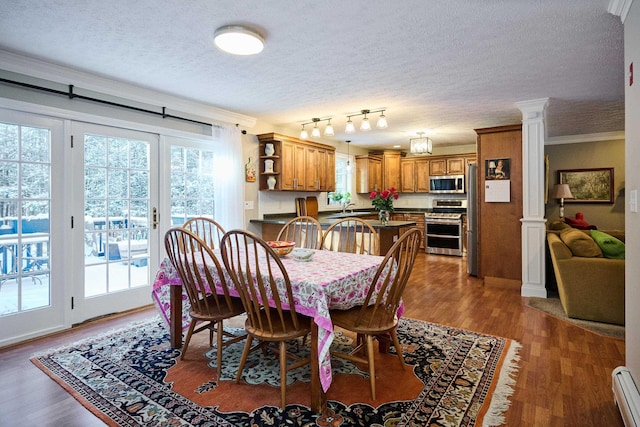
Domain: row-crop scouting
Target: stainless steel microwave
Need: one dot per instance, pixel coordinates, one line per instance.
(451, 184)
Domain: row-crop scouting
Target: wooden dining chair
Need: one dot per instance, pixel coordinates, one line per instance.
(199, 271)
(378, 313)
(306, 231)
(264, 286)
(207, 229)
(353, 235)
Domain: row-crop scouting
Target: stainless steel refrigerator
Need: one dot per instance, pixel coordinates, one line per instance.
(472, 220)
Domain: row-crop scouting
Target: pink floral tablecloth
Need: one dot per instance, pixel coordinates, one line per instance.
(331, 280)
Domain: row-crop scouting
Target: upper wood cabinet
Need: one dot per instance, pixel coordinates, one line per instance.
(414, 175)
(298, 165)
(368, 173)
(391, 169)
(447, 166)
(378, 171)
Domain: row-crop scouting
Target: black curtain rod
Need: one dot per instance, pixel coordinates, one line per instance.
(72, 95)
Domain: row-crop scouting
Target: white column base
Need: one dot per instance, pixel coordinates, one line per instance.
(533, 257)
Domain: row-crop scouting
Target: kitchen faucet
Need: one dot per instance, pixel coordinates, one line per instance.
(346, 205)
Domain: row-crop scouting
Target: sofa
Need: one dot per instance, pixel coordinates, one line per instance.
(590, 282)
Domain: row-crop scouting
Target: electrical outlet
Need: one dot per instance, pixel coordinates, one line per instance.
(248, 204)
(633, 201)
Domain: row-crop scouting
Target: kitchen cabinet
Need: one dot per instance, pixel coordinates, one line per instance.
(418, 218)
(414, 175)
(368, 173)
(320, 169)
(378, 171)
(391, 169)
(298, 165)
(447, 166)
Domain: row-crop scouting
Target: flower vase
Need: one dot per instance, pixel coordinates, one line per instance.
(269, 150)
(271, 182)
(383, 215)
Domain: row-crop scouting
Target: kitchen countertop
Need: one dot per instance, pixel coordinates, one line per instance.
(328, 218)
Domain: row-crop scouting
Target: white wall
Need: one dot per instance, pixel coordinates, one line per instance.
(632, 219)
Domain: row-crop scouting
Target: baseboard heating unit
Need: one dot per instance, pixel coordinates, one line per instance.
(626, 396)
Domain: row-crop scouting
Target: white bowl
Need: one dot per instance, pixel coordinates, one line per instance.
(302, 254)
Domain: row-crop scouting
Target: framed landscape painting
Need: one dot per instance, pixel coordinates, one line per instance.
(588, 185)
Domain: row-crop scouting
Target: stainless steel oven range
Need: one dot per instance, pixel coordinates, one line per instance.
(444, 227)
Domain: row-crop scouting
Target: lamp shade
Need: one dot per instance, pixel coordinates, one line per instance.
(561, 191)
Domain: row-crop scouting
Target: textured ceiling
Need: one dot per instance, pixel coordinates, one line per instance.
(449, 66)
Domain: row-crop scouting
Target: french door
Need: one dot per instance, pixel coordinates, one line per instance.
(32, 291)
(115, 219)
(83, 211)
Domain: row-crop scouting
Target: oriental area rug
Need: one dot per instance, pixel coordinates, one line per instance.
(133, 377)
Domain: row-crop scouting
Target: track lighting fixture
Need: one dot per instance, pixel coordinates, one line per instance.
(315, 132)
(421, 145)
(366, 125)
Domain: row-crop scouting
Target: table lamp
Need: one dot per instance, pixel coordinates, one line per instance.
(561, 191)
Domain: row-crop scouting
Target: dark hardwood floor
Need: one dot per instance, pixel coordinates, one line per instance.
(564, 376)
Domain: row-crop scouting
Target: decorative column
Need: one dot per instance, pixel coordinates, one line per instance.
(533, 188)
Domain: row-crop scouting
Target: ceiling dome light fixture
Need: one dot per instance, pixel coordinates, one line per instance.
(421, 145)
(238, 40)
(315, 132)
(366, 124)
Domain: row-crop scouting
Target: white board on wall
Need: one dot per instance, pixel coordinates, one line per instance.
(496, 191)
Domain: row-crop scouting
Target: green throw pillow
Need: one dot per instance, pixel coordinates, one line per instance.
(610, 246)
(580, 243)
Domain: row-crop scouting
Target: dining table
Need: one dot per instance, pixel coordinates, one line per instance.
(329, 280)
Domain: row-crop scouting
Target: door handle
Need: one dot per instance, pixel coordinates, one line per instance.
(154, 218)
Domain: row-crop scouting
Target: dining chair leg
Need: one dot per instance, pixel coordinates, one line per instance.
(211, 327)
(245, 353)
(219, 334)
(283, 373)
(396, 344)
(192, 326)
(372, 367)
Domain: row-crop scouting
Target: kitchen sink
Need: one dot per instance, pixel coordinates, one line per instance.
(350, 214)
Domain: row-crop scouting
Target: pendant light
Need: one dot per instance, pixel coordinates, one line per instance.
(348, 168)
(421, 145)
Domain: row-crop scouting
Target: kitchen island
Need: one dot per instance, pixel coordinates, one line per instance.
(389, 233)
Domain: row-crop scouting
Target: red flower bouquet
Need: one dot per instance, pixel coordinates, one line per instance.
(383, 200)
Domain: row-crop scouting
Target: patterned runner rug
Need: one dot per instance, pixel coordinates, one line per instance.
(133, 377)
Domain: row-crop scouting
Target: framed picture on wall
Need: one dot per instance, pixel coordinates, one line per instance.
(497, 168)
(588, 185)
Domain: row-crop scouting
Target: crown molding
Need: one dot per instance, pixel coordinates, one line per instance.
(590, 137)
(619, 8)
(59, 74)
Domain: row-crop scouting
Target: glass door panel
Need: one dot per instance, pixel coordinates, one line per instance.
(117, 209)
(29, 302)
